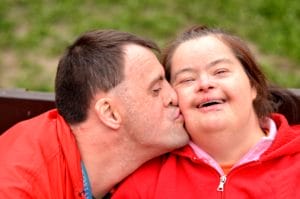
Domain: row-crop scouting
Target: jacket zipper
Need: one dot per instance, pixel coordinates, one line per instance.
(223, 178)
(221, 183)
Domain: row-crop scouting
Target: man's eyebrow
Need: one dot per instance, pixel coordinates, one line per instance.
(155, 80)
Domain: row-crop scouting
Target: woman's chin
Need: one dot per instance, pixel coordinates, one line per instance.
(208, 125)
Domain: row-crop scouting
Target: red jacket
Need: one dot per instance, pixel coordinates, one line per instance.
(181, 174)
(39, 158)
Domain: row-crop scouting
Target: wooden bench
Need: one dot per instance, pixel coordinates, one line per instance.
(17, 105)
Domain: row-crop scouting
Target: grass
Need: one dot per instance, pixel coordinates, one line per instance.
(33, 34)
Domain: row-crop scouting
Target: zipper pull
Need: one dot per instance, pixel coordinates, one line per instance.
(222, 182)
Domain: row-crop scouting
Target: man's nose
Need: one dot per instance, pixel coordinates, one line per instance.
(170, 96)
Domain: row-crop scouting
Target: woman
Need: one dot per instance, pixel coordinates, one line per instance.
(238, 148)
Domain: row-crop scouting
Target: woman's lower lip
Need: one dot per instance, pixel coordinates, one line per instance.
(210, 108)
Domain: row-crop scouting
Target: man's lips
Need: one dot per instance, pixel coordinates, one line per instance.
(178, 115)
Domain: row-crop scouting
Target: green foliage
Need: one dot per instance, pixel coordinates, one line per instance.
(33, 77)
(36, 29)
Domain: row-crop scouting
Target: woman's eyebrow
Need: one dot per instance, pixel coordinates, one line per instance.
(217, 61)
(213, 63)
(188, 69)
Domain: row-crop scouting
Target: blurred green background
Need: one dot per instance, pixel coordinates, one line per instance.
(34, 34)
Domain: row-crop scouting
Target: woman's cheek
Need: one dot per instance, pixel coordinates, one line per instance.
(183, 99)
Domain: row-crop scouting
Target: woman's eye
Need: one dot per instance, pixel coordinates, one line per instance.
(183, 81)
(186, 80)
(220, 71)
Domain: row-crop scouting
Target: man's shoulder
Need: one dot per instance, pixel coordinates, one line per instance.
(30, 142)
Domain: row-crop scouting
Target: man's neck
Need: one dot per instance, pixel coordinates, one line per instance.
(107, 159)
(110, 168)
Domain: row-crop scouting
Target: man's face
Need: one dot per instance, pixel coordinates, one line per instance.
(149, 105)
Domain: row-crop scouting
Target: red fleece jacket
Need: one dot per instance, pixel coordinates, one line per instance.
(39, 158)
(180, 174)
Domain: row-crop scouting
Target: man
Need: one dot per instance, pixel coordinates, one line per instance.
(115, 111)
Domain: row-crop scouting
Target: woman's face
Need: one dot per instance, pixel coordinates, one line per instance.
(213, 89)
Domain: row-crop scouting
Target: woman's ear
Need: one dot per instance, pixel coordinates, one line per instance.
(253, 93)
(108, 113)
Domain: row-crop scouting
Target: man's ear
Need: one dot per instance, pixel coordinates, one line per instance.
(108, 113)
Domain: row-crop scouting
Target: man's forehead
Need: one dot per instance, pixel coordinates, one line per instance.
(134, 54)
(141, 61)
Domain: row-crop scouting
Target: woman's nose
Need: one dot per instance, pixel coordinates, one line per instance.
(204, 83)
